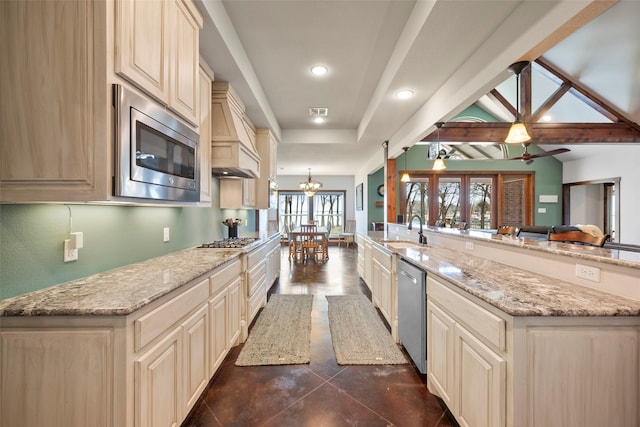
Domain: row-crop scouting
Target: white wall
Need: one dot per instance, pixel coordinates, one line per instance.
(621, 161)
(587, 205)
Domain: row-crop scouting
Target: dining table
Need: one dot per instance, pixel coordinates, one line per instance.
(296, 233)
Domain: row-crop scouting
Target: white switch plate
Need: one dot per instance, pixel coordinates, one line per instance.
(588, 272)
(69, 254)
(542, 210)
(165, 234)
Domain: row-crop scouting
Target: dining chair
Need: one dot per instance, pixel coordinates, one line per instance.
(308, 243)
(507, 230)
(578, 237)
(348, 235)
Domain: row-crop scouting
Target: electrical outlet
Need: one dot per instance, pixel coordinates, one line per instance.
(469, 246)
(165, 234)
(588, 272)
(69, 253)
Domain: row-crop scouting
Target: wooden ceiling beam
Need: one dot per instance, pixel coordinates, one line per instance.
(541, 133)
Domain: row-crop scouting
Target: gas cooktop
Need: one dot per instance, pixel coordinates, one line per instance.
(230, 243)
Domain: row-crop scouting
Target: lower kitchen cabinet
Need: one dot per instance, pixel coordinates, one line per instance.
(158, 386)
(492, 369)
(145, 369)
(462, 369)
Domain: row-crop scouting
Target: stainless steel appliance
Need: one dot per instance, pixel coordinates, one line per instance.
(156, 155)
(412, 307)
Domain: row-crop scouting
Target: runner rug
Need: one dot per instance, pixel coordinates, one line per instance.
(358, 334)
(281, 334)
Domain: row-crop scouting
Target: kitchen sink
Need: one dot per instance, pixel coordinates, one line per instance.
(400, 244)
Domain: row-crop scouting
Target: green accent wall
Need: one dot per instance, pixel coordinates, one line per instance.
(375, 214)
(32, 236)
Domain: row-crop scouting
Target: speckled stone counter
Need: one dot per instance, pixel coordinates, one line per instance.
(512, 290)
(584, 252)
(120, 291)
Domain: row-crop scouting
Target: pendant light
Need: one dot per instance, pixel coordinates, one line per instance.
(438, 164)
(405, 176)
(518, 131)
(310, 187)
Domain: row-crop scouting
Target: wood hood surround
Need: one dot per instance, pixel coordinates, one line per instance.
(233, 148)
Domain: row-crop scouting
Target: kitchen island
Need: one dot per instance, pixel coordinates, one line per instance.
(508, 346)
(134, 346)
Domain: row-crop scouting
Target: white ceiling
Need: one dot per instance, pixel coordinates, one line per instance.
(450, 52)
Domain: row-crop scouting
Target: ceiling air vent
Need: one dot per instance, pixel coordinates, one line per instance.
(318, 111)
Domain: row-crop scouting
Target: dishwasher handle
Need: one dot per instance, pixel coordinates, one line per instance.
(408, 276)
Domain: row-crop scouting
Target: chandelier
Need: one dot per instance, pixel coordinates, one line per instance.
(310, 187)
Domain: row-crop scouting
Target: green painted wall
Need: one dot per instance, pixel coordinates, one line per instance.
(31, 238)
(548, 178)
(375, 214)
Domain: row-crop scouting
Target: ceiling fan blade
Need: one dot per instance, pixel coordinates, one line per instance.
(549, 153)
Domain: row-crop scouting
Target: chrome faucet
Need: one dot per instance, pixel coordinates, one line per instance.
(422, 239)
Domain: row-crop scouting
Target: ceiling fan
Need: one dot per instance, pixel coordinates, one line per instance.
(528, 158)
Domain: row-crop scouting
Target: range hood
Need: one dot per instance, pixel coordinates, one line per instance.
(233, 147)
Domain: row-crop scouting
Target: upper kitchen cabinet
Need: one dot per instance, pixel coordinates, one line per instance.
(56, 77)
(205, 79)
(55, 103)
(157, 44)
(267, 185)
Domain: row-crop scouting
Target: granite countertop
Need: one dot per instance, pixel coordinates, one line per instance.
(120, 291)
(516, 292)
(584, 252)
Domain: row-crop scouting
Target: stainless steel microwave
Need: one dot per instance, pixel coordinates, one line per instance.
(156, 155)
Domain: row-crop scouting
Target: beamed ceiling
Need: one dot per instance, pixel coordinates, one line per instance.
(619, 130)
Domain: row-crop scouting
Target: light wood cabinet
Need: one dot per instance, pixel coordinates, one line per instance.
(158, 387)
(205, 78)
(157, 45)
(492, 369)
(384, 287)
(237, 193)
(224, 312)
(145, 369)
(55, 135)
(266, 185)
(56, 142)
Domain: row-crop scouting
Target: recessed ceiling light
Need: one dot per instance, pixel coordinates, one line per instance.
(318, 120)
(404, 94)
(319, 70)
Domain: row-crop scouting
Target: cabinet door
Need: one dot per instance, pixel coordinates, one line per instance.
(440, 353)
(183, 96)
(248, 193)
(54, 110)
(233, 328)
(386, 293)
(196, 356)
(480, 382)
(142, 50)
(205, 136)
(157, 383)
(219, 326)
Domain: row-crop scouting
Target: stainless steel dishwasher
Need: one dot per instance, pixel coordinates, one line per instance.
(412, 307)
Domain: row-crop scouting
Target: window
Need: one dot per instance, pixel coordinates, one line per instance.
(326, 208)
(472, 200)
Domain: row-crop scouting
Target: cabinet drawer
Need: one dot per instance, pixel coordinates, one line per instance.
(256, 256)
(157, 321)
(382, 257)
(486, 324)
(256, 277)
(224, 275)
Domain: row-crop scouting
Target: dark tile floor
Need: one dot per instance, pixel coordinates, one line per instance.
(322, 393)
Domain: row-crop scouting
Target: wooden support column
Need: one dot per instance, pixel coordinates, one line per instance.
(390, 190)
